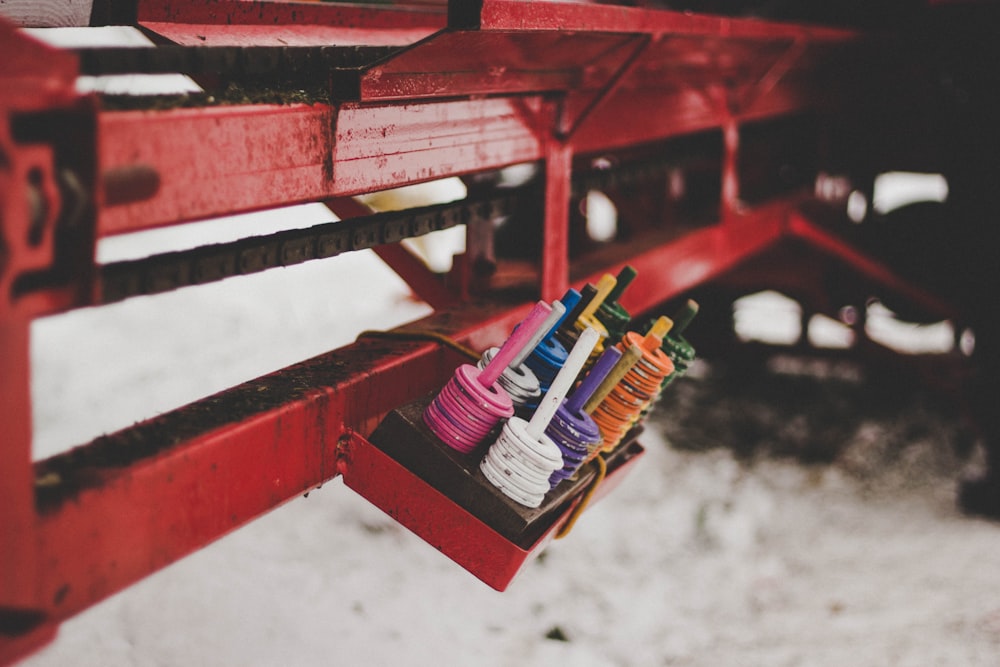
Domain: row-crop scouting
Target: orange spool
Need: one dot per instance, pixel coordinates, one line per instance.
(625, 404)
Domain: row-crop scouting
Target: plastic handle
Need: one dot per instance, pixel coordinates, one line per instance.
(587, 294)
(654, 337)
(570, 300)
(558, 310)
(683, 317)
(561, 385)
(621, 369)
(597, 373)
(604, 287)
(521, 335)
(625, 277)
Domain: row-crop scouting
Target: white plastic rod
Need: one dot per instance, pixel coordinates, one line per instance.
(557, 312)
(563, 382)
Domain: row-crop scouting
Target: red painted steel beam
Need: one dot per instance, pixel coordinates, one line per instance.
(221, 160)
(488, 63)
(426, 284)
(34, 74)
(555, 242)
(654, 115)
(543, 16)
(19, 592)
(239, 23)
(35, 78)
(298, 12)
(578, 52)
(668, 269)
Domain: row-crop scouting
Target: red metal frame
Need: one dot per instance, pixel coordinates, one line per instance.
(428, 112)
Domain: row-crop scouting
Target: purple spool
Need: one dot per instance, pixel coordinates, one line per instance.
(572, 429)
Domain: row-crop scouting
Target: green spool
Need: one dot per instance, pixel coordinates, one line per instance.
(611, 314)
(615, 319)
(681, 353)
(675, 346)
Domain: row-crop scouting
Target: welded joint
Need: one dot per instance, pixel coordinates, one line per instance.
(342, 453)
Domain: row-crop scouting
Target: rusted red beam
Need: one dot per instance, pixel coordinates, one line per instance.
(480, 63)
(222, 160)
(516, 15)
(555, 243)
(668, 269)
(655, 114)
(519, 47)
(18, 556)
(238, 22)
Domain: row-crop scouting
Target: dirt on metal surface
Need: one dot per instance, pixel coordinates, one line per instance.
(62, 477)
(233, 94)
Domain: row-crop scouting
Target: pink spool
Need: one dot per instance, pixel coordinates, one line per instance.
(472, 403)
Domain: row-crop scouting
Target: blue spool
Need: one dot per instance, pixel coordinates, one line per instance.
(550, 355)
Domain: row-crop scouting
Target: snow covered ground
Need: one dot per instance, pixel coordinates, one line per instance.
(709, 554)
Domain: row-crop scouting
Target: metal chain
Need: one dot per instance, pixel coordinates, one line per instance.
(211, 263)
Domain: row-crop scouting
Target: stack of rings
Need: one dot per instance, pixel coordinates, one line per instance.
(576, 436)
(572, 429)
(473, 403)
(545, 361)
(570, 332)
(569, 336)
(523, 458)
(675, 346)
(624, 405)
(611, 314)
(464, 412)
(519, 465)
(681, 354)
(518, 381)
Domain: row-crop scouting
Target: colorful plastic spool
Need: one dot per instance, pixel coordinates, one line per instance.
(517, 379)
(572, 429)
(471, 405)
(525, 442)
(567, 333)
(611, 314)
(675, 346)
(550, 355)
(628, 359)
(585, 317)
(624, 404)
